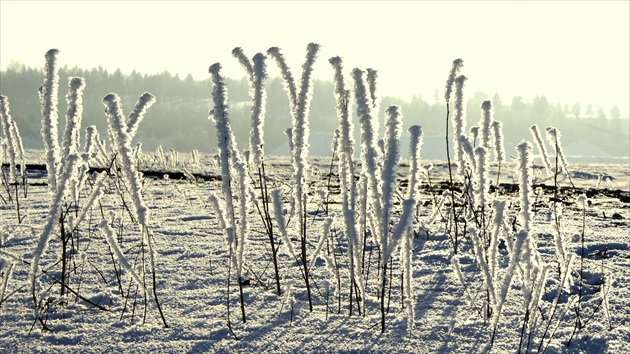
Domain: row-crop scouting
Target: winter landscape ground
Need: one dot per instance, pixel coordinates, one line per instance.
(192, 266)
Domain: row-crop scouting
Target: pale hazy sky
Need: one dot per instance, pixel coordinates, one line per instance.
(570, 51)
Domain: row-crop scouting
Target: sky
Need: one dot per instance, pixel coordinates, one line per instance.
(569, 51)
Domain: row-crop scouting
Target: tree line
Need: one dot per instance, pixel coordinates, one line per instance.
(178, 119)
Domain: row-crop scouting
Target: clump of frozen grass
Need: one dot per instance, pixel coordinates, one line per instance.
(389, 240)
(299, 102)
(119, 137)
(235, 181)
(345, 151)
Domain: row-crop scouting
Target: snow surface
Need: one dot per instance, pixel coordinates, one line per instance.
(192, 264)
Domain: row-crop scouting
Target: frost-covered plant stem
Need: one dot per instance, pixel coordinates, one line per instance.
(230, 159)
(346, 175)
(53, 218)
(407, 245)
(389, 242)
(541, 148)
(370, 197)
(257, 74)
(7, 127)
(120, 137)
(457, 65)
(499, 149)
(48, 93)
(525, 183)
(459, 123)
(553, 135)
(74, 114)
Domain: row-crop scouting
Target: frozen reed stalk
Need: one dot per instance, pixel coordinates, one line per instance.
(256, 140)
(74, 114)
(499, 149)
(277, 207)
(19, 147)
(243, 60)
(370, 155)
(322, 240)
(244, 199)
(553, 135)
(225, 137)
(392, 157)
(48, 94)
(301, 127)
(121, 143)
(108, 233)
(7, 128)
(52, 219)
(458, 272)
(457, 65)
(497, 225)
(467, 154)
(524, 151)
(234, 175)
(93, 197)
(371, 77)
(481, 257)
(513, 264)
(346, 142)
(541, 148)
(145, 101)
(406, 248)
(91, 145)
(346, 174)
(256, 76)
(299, 102)
(414, 166)
(485, 123)
(459, 121)
(481, 176)
(287, 77)
(474, 133)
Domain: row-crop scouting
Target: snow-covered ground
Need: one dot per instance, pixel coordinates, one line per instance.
(192, 270)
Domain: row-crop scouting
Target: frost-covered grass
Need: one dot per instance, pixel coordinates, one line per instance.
(192, 264)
